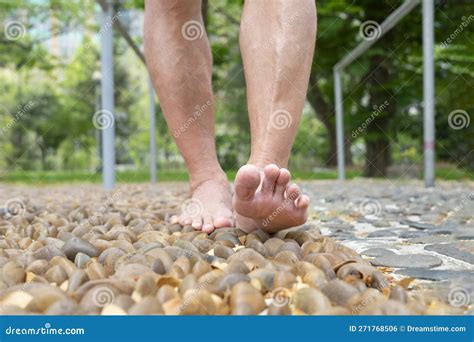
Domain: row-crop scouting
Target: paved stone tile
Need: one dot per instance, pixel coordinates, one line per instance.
(407, 261)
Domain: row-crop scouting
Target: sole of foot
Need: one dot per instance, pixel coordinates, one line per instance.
(265, 199)
(209, 208)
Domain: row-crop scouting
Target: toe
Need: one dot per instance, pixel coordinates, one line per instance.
(207, 226)
(184, 220)
(271, 173)
(293, 192)
(221, 222)
(302, 203)
(282, 181)
(197, 222)
(174, 219)
(247, 181)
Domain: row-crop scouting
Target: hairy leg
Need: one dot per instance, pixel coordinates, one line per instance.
(179, 61)
(277, 42)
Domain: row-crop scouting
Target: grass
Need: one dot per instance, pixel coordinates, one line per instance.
(52, 177)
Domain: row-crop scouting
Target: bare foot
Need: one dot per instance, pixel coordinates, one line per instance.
(209, 207)
(264, 199)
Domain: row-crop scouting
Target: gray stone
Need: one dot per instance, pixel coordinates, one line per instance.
(381, 233)
(377, 252)
(466, 233)
(407, 261)
(453, 250)
(343, 236)
(81, 260)
(47, 252)
(77, 245)
(423, 273)
(411, 234)
(381, 224)
(421, 225)
(430, 239)
(339, 226)
(442, 231)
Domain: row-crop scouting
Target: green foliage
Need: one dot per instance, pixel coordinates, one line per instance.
(48, 98)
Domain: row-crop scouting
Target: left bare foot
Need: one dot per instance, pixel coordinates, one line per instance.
(264, 199)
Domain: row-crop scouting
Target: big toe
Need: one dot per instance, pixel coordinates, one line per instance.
(247, 181)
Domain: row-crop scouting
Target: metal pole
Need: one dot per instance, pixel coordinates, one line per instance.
(428, 93)
(384, 27)
(339, 126)
(151, 93)
(107, 85)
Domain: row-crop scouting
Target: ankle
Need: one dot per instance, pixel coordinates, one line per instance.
(215, 176)
(261, 162)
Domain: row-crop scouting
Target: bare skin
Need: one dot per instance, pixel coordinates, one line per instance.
(277, 43)
(180, 67)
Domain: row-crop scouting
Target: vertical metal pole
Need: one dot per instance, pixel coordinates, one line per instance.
(428, 93)
(107, 85)
(151, 93)
(339, 125)
(97, 131)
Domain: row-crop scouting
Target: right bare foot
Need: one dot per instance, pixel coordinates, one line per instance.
(210, 206)
(265, 199)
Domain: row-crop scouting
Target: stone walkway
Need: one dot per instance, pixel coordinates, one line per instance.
(426, 234)
(421, 239)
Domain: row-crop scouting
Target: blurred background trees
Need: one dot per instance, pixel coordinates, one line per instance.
(51, 73)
